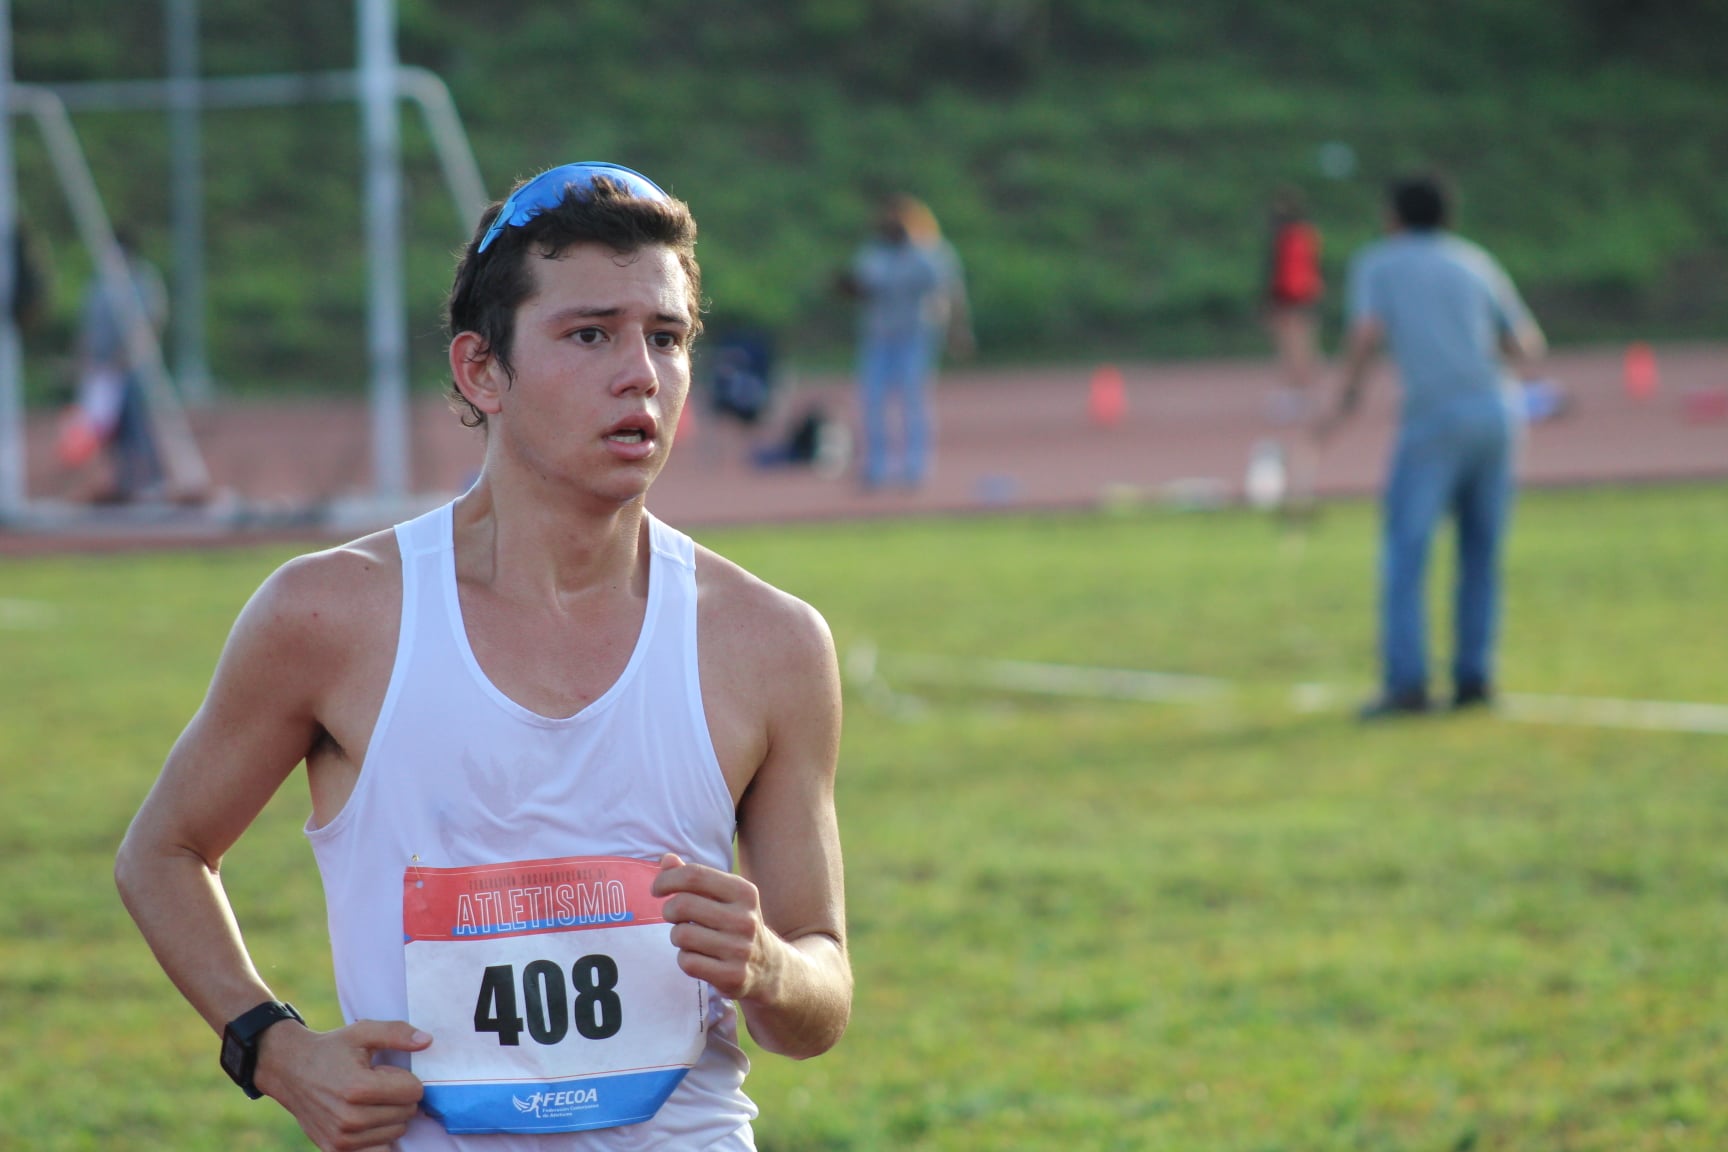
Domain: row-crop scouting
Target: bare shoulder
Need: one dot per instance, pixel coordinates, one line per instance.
(757, 627)
(288, 679)
(333, 597)
(771, 687)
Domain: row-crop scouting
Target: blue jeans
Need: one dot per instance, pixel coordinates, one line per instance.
(137, 463)
(895, 372)
(1460, 465)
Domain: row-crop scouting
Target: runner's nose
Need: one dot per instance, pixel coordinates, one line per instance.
(638, 372)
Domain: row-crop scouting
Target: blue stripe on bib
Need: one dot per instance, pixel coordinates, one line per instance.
(563, 1106)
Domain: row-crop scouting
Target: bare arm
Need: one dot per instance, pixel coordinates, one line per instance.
(258, 721)
(1526, 348)
(962, 342)
(773, 937)
(255, 726)
(789, 845)
(1361, 349)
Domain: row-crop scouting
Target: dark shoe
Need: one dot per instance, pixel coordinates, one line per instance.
(1394, 705)
(1472, 696)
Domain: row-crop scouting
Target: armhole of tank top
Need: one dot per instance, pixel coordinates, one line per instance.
(398, 673)
(718, 790)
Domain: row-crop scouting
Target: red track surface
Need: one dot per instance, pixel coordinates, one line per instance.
(1008, 439)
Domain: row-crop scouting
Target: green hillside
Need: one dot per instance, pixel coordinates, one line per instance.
(1102, 165)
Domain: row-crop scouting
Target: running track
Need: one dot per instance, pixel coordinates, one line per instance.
(1008, 439)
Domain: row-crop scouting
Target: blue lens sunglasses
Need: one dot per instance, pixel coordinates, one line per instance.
(548, 190)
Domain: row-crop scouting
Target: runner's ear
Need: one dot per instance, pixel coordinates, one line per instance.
(478, 374)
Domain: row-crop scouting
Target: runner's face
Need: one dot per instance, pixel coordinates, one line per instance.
(602, 360)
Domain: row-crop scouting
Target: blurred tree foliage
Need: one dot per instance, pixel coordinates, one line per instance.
(1103, 165)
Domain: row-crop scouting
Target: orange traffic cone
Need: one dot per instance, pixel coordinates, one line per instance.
(1107, 402)
(1640, 373)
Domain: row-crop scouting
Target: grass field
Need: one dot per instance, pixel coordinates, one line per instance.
(1075, 924)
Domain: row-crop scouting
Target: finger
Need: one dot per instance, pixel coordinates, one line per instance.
(381, 1136)
(669, 862)
(389, 1087)
(674, 875)
(702, 940)
(682, 908)
(729, 978)
(378, 1123)
(387, 1035)
(733, 916)
(701, 880)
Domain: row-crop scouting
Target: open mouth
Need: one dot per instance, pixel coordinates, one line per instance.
(627, 436)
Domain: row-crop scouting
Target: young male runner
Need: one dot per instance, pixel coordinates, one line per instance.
(527, 718)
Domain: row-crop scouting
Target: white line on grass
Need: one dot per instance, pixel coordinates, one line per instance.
(21, 615)
(1061, 679)
(1608, 712)
(863, 668)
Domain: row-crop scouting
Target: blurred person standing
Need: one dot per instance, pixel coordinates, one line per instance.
(912, 295)
(1451, 317)
(1293, 289)
(949, 314)
(111, 394)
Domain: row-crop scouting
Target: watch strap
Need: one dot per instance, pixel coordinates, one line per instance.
(240, 1041)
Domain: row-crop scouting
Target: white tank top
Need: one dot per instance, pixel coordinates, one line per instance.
(457, 774)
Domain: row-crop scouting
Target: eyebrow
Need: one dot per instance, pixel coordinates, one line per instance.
(565, 315)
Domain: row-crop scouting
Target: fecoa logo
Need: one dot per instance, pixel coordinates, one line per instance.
(548, 1104)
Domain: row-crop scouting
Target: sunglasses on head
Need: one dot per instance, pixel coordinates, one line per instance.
(548, 190)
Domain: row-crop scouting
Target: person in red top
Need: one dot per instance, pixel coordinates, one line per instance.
(1294, 287)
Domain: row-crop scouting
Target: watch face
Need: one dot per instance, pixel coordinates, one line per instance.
(233, 1055)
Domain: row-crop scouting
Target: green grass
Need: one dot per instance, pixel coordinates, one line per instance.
(1075, 925)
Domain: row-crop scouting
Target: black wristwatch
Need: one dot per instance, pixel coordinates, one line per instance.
(240, 1041)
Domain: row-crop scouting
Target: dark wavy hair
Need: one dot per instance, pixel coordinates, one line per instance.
(491, 285)
(1420, 202)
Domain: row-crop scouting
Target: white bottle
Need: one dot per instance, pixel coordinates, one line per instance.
(1268, 480)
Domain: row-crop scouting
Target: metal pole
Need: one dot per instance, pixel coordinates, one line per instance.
(276, 90)
(387, 337)
(12, 475)
(191, 365)
(450, 141)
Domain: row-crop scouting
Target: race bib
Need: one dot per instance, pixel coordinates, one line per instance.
(552, 992)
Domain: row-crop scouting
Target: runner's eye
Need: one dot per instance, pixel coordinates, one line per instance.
(588, 335)
(666, 341)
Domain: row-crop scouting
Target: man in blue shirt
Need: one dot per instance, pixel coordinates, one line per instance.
(1452, 319)
(911, 293)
